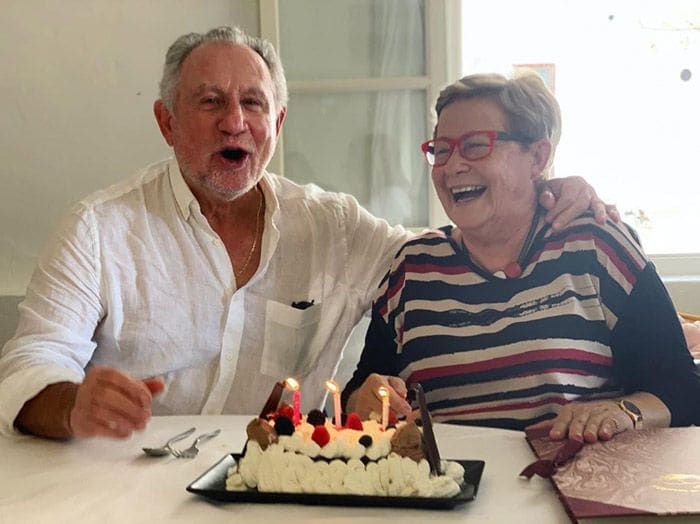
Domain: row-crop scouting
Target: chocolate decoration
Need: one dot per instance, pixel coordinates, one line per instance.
(433, 455)
(273, 400)
(260, 431)
(408, 442)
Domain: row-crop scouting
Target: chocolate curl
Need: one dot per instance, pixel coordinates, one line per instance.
(547, 467)
(431, 448)
(273, 400)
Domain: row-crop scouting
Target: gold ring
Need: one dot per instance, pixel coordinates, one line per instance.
(614, 422)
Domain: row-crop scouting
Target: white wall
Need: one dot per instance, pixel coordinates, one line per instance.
(78, 81)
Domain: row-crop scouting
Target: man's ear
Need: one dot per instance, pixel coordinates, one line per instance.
(280, 120)
(164, 119)
(541, 151)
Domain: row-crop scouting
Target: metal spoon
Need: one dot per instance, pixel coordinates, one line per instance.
(166, 449)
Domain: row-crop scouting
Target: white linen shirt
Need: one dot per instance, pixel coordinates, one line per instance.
(136, 279)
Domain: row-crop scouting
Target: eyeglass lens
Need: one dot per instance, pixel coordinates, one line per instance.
(471, 147)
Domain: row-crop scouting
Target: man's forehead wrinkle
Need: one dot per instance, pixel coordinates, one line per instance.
(201, 88)
(254, 90)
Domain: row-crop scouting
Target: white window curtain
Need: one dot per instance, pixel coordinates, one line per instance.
(358, 94)
(394, 158)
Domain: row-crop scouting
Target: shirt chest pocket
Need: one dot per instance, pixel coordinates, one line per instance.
(288, 348)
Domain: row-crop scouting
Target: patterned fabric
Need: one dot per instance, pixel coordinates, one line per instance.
(509, 352)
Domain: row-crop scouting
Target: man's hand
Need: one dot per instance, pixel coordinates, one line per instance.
(366, 398)
(566, 198)
(109, 403)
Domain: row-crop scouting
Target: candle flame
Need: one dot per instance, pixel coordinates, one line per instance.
(383, 392)
(332, 386)
(291, 384)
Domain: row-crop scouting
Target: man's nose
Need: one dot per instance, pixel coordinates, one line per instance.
(233, 119)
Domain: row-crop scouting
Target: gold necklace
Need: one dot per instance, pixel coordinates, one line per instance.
(255, 239)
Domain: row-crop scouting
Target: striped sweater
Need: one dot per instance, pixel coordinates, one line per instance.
(588, 318)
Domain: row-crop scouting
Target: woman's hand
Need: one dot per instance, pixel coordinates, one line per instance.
(566, 198)
(691, 331)
(594, 420)
(588, 421)
(366, 398)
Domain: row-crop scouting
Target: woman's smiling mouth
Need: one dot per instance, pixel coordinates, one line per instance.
(464, 193)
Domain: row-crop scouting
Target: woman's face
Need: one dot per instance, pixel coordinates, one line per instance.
(492, 193)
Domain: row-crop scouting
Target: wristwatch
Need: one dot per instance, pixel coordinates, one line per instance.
(633, 412)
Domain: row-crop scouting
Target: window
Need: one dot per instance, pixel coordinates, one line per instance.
(622, 70)
(360, 92)
(627, 78)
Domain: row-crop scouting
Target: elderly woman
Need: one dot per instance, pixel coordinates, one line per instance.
(504, 321)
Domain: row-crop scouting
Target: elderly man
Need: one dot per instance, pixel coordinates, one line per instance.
(199, 282)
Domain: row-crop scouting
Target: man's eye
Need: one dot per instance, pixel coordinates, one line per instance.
(252, 102)
(209, 101)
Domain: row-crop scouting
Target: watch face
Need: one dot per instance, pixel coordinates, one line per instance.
(632, 407)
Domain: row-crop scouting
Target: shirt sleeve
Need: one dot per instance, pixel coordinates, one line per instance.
(378, 354)
(57, 319)
(371, 244)
(650, 353)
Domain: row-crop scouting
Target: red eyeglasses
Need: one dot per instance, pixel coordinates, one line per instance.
(475, 145)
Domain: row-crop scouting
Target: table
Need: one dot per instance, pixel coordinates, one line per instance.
(100, 480)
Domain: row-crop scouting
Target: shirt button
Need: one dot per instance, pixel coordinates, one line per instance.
(229, 357)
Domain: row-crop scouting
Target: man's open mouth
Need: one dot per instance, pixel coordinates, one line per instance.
(234, 154)
(464, 193)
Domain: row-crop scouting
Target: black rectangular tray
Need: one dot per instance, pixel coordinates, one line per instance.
(212, 484)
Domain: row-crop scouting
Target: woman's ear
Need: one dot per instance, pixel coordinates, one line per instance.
(541, 151)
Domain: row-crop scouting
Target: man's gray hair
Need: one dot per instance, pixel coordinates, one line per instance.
(185, 44)
(530, 107)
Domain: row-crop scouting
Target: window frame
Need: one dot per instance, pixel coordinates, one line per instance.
(442, 63)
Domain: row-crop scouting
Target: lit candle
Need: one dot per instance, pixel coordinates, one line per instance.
(332, 387)
(296, 399)
(384, 394)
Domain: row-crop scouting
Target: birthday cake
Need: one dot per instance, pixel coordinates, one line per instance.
(359, 458)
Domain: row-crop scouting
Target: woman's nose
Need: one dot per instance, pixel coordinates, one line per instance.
(456, 162)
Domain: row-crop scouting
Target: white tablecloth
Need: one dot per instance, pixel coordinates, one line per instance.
(103, 480)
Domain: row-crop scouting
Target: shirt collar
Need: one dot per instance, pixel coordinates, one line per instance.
(185, 198)
(181, 191)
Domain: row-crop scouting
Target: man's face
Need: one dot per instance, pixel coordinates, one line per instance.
(225, 123)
